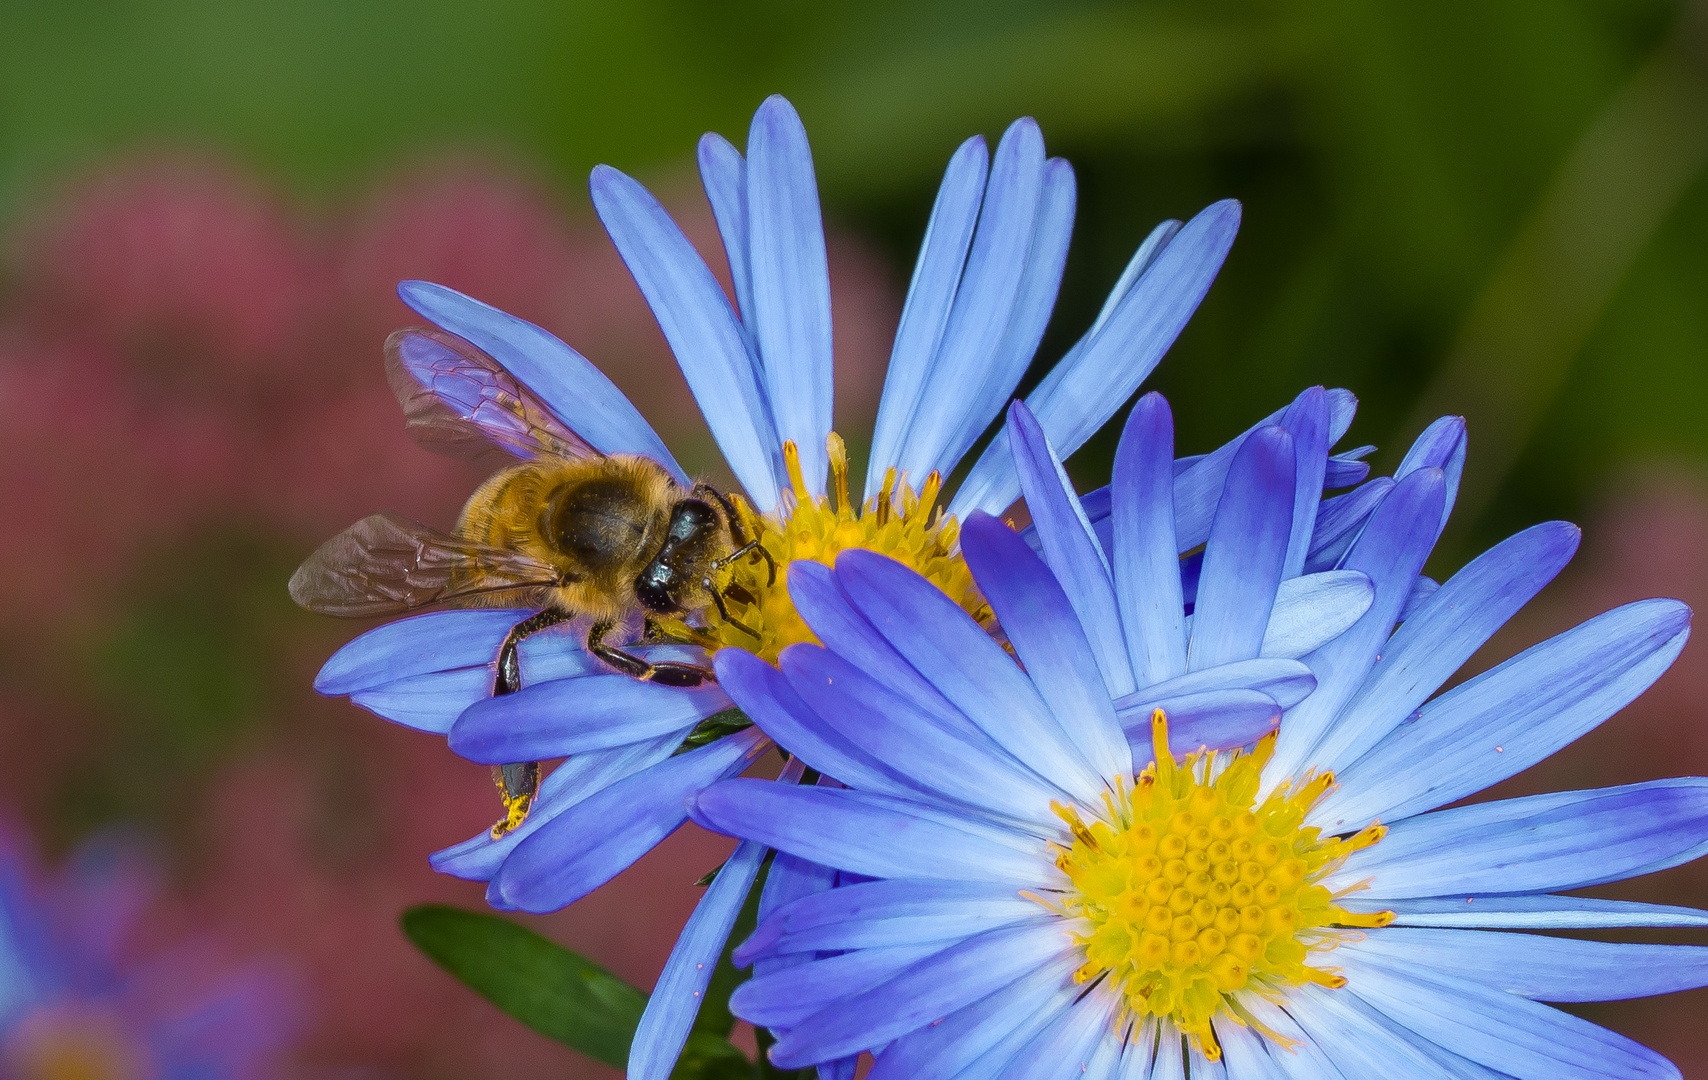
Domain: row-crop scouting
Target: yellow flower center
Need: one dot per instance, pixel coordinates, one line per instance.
(1192, 893)
(905, 524)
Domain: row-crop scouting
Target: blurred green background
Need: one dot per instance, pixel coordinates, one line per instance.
(1490, 209)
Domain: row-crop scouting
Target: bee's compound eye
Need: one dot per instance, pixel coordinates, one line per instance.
(656, 588)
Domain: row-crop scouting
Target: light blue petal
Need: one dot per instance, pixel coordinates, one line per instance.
(930, 296)
(1199, 1067)
(1287, 681)
(429, 703)
(865, 834)
(479, 857)
(1507, 719)
(965, 375)
(1143, 256)
(791, 283)
(895, 731)
(1342, 408)
(564, 717)
(1348, 468)
(590, 843)
(1441, 446)
(1541, 967)
(1245, 1054)
(996, 1061)
(843, 1069)
(675, 999)
(419, 645)
(1307, 421)
(764, 694)
(789, 879)
(1031, 312)
(1364, 1042)
(928, 991)
(1541, 843)
(1452, 625)
(1527, 912)
(1340, 520)
(786, 997)
(1146, 562)
(1105, 1060)
(1083, 391)
(1312, 610)
(1064, 1049)
(1070, 547)
(1170, 1060)
(1391, 550)
(579, 393)
(944, 1050)
(1218, 719)
(1305, 1060)
(844, 630)
(1421, 590)
(968, 667)
(882, 914)
(723, 174)
(703, 332)
(1502, 1031)
(1040, 623)
(1199, 480)
(1242, 560)
(956, 921)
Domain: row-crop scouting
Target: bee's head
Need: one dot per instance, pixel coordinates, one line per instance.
(676, 575)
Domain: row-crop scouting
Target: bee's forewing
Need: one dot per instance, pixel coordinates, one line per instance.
(458, 400)
(385, 564)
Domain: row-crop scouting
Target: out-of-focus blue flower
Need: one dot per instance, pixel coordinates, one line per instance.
(76, 1002)
(981, 294)
(1018, 901)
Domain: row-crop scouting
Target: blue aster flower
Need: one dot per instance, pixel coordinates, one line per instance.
(1215, 638)
(1026, 889)
(73, 1003)
(982, 291)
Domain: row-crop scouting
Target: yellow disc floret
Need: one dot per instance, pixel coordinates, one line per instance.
(1192, 893)
(905, 524)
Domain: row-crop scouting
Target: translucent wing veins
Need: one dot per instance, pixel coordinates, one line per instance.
(385, 564)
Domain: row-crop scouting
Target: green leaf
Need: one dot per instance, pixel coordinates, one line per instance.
(713, 728)
(558, 993)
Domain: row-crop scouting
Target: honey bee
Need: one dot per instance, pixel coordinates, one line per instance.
(567, 530)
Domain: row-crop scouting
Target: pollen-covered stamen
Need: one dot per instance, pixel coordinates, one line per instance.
(1195, 894)
(905, 524)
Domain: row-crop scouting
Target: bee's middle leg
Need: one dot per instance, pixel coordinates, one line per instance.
(666, 673)
(509, 677)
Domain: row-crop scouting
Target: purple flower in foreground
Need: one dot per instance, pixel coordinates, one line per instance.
(74, 1004)
(1023, 896)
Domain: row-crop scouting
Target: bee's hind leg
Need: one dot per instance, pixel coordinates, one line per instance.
(518, 782)
(666, 673)
(509, 677)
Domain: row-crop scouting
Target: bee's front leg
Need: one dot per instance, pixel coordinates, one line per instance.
(667, 673)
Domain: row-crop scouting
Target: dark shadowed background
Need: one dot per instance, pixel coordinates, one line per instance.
(1496, 210)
